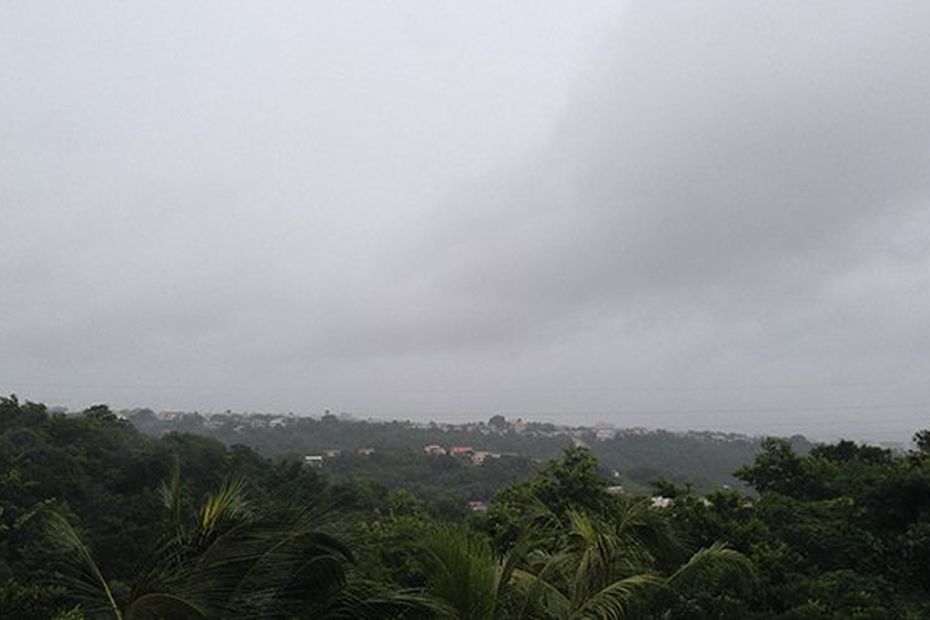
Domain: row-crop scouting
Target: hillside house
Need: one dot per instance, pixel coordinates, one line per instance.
(313, 460)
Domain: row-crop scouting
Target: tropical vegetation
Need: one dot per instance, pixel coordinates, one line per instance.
(102, 521)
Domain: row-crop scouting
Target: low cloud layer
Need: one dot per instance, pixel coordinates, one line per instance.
(702, 215)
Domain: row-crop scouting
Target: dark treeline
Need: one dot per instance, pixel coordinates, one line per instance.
(100, 520)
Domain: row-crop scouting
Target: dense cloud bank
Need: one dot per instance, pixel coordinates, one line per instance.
(667, 211)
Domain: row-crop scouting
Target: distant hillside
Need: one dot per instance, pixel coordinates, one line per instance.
(633, 457)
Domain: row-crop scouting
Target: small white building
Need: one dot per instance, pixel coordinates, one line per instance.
(477, 505)
(480, 456)
(313, 460)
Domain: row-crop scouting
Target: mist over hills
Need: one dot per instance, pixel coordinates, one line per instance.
(633, 457)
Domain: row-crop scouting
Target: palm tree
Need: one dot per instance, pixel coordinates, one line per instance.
(628, 567)
(465, 578)
(614, 569)
(231, 561)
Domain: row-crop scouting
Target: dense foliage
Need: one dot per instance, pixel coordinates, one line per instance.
(635, 457)
(100, 520)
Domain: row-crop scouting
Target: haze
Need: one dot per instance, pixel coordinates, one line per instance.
(679, 215)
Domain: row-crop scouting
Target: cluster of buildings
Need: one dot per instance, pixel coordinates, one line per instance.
(476, 457)
(496, 425)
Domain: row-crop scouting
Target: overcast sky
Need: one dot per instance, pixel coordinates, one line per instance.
(679, 215)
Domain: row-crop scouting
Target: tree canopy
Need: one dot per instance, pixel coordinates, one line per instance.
(98, 520)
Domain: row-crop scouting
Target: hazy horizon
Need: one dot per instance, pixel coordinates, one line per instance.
(621, 420)
(708, 215)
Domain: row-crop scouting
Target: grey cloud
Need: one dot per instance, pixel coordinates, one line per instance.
(668, 208)
(714, 150)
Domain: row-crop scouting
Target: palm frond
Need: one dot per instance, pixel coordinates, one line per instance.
(367, 600)
(169, 493)
(289, 561)
(713, 563)
(540, 595)
(648, 535)
(157, 605)
(91, 581)
(619, 600)
(511, 561)
(596, 549)
(227, 505)
(462, 571)
(234, 563)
